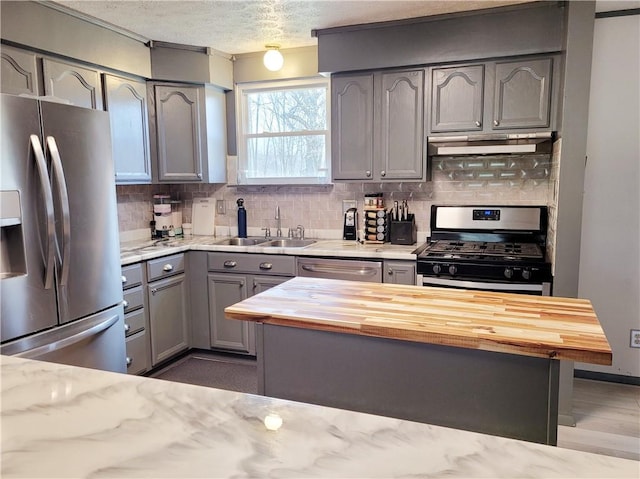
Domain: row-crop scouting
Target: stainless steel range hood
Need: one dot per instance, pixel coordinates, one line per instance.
(520, 143)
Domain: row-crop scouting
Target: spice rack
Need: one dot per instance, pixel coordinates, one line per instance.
(376, 225)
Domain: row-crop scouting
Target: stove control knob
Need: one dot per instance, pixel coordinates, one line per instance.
(452, 270)
(436, 269)
(526, 274)
(508, 273)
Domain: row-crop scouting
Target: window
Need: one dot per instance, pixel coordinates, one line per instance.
(283, 132)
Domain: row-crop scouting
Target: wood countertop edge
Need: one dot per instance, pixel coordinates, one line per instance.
(600, 357)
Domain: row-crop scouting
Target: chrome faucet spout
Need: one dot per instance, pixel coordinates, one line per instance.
(279, 226)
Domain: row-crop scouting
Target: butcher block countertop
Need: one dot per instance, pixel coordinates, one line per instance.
(541, 326)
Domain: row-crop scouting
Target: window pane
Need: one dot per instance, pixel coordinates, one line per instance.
(289, 156)
(287, 110)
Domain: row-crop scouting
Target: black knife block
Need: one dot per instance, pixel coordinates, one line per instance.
(403, 232)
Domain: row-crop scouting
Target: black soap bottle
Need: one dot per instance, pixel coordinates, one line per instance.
(242, 219)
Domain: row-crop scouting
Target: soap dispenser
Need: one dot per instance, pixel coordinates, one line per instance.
(242, 219)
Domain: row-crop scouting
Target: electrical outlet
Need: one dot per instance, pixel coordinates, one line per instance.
(220, 208)
(635, 338)
(346, 204)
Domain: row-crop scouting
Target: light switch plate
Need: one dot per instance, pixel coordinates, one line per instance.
(346, 204)
(220, 208)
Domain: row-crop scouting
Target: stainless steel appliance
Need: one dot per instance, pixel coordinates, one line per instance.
(497, 248)
(351, 270)
(60, 287)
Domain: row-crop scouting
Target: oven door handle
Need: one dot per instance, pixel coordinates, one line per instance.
(481, 285)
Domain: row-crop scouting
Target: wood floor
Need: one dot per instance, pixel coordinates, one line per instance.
(607, 419)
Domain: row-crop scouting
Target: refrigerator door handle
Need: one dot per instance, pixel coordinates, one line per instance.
(70, 340)
(58, 173)
(43, 173)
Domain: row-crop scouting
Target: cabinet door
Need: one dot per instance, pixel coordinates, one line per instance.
(399, 272)
(226, 289)
(126, 102)
(179, 123)
(457, 98)
(522, 94)
(352, 127)
(402, 125)
(19, 73)
(261, 283)
(168, 317)
(80, 86)
(137, 353)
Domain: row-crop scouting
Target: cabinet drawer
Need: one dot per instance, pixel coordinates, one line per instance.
(137, 353)
(165, 266)
(134, 322)
(252, 263)
(131, 275)
(134, 299)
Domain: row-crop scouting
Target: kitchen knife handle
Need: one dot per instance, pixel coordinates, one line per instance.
(41, 166)
(58, 175)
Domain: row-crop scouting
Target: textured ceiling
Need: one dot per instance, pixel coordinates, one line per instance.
(242, 26)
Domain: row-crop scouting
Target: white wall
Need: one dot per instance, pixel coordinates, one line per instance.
(609, 258)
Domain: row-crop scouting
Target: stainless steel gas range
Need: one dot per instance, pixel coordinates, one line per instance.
(496, 248)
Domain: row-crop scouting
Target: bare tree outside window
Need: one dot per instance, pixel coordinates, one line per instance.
(285, 132)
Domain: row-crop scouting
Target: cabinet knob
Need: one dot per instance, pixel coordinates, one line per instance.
(266, 265)
(154, 290)
(126, 328)
(124, 279)
(230, 264)
(129, 361)
(167, 267)
(383, 173)
(496, 123)
(368, 173)
(390, 273)
(241, 284)
(200, 175)
(478, 124)
(125, 303)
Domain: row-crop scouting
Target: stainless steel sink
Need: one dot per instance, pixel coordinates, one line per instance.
(242, 241)
(289, 243)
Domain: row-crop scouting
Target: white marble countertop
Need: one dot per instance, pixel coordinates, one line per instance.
(63, 421)
(136, 251)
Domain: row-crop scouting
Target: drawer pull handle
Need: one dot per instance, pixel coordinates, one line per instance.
(266, 265)
(230, 264)
(124, 279)
(167, 267)
(127, 328)
(125, 303)
(129, 361)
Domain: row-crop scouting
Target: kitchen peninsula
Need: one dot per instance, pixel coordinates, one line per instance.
(481, 361)
(64, 421)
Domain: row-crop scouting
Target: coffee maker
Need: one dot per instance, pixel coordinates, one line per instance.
(350, 229)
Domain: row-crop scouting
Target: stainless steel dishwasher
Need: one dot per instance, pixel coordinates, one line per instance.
(351, 270)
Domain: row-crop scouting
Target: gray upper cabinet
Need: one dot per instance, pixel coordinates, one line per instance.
(402, 125)
(522, 94)
(377, 126)
(80, 86)
(457, 98)
(126, 102)
(503, 96)
(352, 127)
(180, 133)
(20, 72)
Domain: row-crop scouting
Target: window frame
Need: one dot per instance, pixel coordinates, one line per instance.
(242, 128)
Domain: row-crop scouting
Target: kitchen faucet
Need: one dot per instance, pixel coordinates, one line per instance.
(300, 231)
(279, 229)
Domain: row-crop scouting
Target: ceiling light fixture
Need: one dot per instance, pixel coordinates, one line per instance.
(273, 59)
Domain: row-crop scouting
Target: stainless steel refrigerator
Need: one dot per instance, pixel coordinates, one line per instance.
(60, 285)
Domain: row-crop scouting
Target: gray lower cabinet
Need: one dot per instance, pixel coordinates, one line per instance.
(20, 72)
(399, 272)
(136, 319)
(378, 126)
(126, 102)
(68, 81)
(168, 295)
(232, 278)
